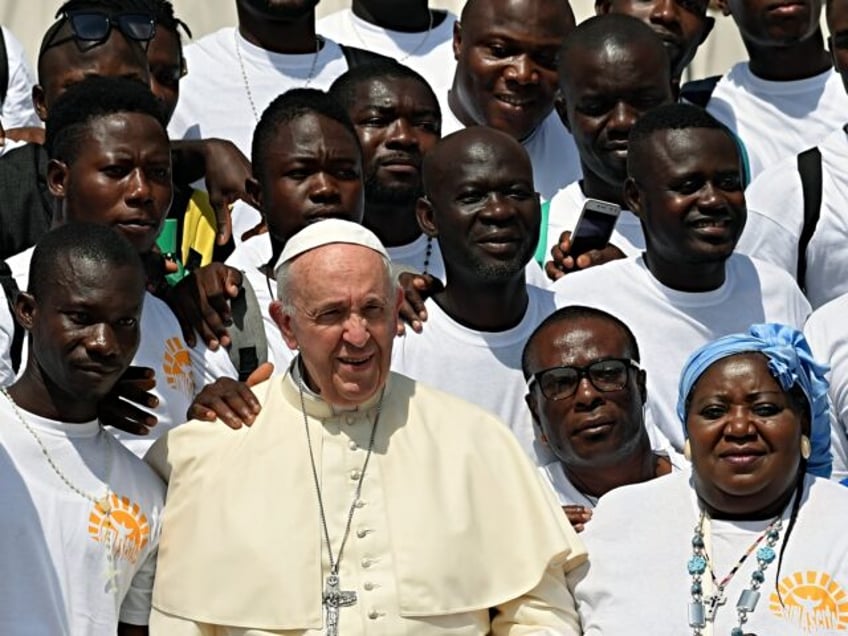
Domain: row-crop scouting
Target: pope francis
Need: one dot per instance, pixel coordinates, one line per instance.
(359, 502)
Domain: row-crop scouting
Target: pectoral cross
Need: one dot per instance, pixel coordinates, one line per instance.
(334, 598)
(714, 602)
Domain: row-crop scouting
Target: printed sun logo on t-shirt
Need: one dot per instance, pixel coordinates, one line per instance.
(177, 366)
(812, 601)
(124, 528)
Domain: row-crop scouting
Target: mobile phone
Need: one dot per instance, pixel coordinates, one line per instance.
(594, 227)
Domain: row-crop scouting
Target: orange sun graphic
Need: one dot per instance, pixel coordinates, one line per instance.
(177, 366)
(125, 527)
(812, 601)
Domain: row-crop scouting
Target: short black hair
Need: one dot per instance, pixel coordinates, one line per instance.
(91, 99)
(617, 29)
(89, 241)
(287, 107)
(344, 88)
(163, 14)
(677, 116)
(573, 313)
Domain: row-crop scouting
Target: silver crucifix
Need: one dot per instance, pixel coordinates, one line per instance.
(334, 598)
(713, 603)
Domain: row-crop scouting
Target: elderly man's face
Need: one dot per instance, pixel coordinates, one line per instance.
(344, 320)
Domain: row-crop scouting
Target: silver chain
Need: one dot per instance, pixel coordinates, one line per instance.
(417, 48)
(103, 502)
(334, 562)
(309, 78)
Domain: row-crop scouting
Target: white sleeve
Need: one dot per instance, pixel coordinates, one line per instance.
(17, 110)
(775, 217)
(135, 610)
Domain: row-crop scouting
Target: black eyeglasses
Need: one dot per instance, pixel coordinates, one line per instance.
(95, 26)
(558, 383)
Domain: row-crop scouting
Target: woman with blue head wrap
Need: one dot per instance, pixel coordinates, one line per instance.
(712, 554)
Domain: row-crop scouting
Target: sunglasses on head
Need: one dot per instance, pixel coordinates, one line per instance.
(95, 26)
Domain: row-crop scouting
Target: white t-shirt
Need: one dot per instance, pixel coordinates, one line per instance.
(429, 53)
(827, 333)
(181, 371)
(773, 234)
(564, 213)
(481, 367)
(778, 119)
(17, 111)
(640, 540)
(55, 542)
(214, 100)
(7, 332)
(569, 495)
(670, 324)
(552, 151)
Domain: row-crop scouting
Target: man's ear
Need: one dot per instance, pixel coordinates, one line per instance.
(284, 324)
(254, 191)
(562, 108)
(633, 197)
(38, 102)
(426, 217)
(533, 405)
(457, 39)
(641, 384)
(25, 308)
(57, 178)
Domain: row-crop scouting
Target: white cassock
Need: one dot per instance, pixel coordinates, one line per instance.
(453, 520)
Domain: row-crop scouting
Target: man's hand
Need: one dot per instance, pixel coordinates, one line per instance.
(201, 302)
(563, 262)
(227, 171)
(118, 408)
(579, 516)
(229, 400)
(416, 289)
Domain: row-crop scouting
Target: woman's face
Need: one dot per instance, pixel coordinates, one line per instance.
(745, 436)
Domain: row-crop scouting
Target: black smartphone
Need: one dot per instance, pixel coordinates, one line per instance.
(594, 227)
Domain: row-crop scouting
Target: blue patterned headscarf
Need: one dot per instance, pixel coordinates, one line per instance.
(790, 362)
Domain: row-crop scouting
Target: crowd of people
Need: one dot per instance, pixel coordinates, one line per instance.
(301, 334)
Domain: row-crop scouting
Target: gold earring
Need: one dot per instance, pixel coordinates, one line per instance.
(806, 447)
(687, 450)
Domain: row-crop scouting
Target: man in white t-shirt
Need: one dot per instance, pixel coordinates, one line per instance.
(778, 195)
(685, 183)
(236, 72)
(786, 97)
(118, 123)
(81, 514)
(587, 393)
(506, 77)
(612, 69)
(408, 31)
(481, 205)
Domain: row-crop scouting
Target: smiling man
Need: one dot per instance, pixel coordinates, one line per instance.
(481, 205)
(685, 184)
(506, 77)
(380, 486)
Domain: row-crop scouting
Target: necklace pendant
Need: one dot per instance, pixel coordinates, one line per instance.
(713, 603)
(748, 600)
(334, 598)
(696, 615)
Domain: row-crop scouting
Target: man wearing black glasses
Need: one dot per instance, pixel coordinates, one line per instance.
(587, 393)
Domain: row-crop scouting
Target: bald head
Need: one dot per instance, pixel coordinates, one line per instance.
(477, 9)
(474, 145)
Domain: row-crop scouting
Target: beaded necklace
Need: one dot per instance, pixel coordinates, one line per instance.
(702, 608)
